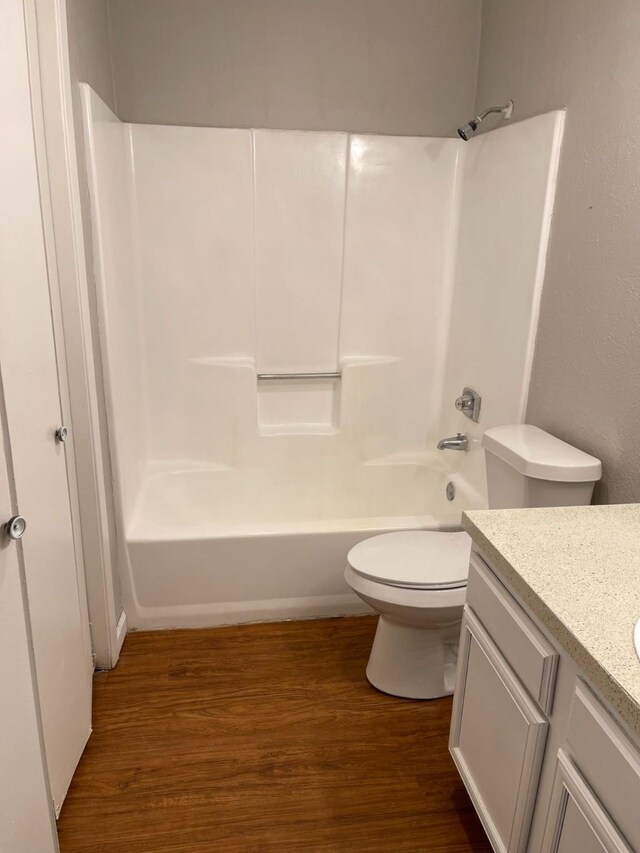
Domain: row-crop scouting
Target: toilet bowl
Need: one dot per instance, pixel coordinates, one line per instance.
(416, 579)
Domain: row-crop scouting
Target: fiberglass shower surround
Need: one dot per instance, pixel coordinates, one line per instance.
(403, 267)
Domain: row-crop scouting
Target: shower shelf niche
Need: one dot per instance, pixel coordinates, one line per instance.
(318, 404)
(309, 403)
(298, 407)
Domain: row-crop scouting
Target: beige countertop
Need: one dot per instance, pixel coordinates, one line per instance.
(578, 570)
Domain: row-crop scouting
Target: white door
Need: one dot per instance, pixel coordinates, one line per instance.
(28, 366)
(26, 817)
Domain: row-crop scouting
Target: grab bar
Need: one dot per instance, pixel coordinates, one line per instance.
(268, 377)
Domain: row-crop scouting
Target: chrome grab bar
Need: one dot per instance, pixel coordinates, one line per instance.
(268, 377)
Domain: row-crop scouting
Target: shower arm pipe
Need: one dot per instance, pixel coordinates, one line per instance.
(507, 109)
(269, 377)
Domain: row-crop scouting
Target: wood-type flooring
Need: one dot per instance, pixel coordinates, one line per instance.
(263, 739)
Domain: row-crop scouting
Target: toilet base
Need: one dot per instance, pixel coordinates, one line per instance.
(414, 663)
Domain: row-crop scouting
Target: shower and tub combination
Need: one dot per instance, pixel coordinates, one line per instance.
(287, 319)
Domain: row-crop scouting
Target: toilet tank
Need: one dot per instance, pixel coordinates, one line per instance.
(527, 467)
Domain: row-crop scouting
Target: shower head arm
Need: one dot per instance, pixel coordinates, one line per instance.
(506, 109)
(466, 131)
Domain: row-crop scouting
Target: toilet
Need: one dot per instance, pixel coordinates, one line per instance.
(416, 579)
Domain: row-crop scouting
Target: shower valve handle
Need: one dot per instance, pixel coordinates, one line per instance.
(469, 404)
(464, 403)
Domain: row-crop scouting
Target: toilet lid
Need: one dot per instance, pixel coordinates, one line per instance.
(424, 559)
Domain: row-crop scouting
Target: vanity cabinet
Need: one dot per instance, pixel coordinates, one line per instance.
(545, 763)
(497, 738)
(607, 761)
(504, 689)
(577, 822)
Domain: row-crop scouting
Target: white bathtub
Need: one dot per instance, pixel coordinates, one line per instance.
(185, 570)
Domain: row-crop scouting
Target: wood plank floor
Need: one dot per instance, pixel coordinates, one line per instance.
(263, 738)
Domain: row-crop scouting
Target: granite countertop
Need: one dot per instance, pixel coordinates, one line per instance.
(578, 570)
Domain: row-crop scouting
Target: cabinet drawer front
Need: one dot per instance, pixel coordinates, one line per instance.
(497, 739)
(607, 759)
(523, 645)
(577, 822)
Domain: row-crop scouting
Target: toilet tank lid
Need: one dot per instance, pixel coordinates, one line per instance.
(535, 453)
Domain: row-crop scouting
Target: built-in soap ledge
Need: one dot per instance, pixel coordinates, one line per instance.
(363, 362)
(430, 459)
(230, 362)
(297, 429)
(313, 402)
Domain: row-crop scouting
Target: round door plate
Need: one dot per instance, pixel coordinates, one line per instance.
(62, 433)
(16, 527)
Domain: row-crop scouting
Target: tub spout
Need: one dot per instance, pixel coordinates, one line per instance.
(455, 442)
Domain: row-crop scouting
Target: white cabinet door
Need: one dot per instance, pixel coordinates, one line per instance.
(29, 377)
(26, 820)
(497, 738)
(577, 822)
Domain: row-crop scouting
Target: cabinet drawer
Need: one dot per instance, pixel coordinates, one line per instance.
(608, 761)
(522, 644)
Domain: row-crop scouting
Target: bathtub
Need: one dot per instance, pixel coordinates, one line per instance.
(201, 551)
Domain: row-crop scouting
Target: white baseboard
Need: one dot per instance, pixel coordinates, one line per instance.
(121, 633)
(239, 613)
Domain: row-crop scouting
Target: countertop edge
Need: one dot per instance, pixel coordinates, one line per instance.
(624, 704)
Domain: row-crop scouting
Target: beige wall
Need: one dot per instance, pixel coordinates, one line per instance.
(586, 376)
(89, 62)
(89, 53)
(385, 66)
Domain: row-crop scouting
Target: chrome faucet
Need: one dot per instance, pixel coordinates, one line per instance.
(455, 442)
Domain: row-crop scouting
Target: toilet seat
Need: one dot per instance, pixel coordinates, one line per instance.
(414, 559)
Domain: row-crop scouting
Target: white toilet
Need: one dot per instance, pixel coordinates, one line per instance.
(416, 579)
